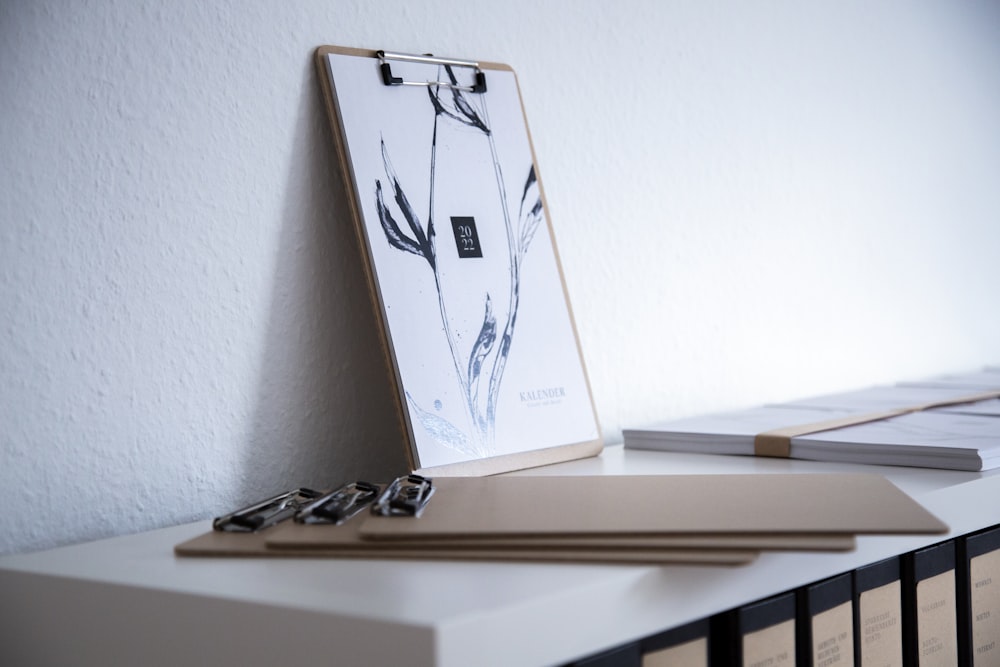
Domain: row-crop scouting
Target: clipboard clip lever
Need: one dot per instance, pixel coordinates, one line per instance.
(266, 513)
(388, 79)
(406, 496)
(339, 505)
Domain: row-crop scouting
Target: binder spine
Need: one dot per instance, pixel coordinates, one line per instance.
(919, 568)
(823, 639)
(659, 644)
(978, 560)
(884, 628)
(735, 631)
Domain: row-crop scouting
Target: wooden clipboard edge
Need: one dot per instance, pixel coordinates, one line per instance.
(254, 545)
(479, 467)
(298, 537)
(518, 461)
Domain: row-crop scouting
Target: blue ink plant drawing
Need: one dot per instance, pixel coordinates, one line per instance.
(480, 374)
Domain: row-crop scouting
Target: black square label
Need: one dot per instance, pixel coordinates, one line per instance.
(466, 236)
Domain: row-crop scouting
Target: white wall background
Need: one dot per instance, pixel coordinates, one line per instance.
(753, 201)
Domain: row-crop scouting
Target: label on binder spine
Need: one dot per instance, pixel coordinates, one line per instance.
(689, 654)
(984, 580)
(771, 646)
(881, 631)
(833, 636)
(936, 626)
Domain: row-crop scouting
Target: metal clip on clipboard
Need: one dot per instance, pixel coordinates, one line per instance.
(388, 79)
(406, 496)
(265, 513)
(339, 505)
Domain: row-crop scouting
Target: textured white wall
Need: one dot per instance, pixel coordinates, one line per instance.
(754, 201)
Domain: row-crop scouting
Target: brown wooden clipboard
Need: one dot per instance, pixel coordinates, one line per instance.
(423, 418)
(650, 505)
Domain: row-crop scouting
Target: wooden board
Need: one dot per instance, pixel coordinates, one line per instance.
(478, 335)
(639, 506)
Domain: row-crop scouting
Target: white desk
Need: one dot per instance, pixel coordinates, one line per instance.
(129, 600)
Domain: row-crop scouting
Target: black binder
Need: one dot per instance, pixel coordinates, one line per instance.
(979, 597)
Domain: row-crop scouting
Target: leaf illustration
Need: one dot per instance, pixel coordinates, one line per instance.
(454, 103)
(484, 343)
(393, 233)
(442, 430)
(530, 184)
(499, 364)
(420, 244)
(530, 212)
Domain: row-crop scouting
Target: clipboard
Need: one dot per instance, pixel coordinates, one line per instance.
(449, 210)
(650, 505)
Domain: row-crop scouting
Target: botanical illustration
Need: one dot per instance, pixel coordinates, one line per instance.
(479, 366)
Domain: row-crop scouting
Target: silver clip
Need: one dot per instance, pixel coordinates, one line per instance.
(388, 79)
(406, 496)
(339, 505)
(266, 513)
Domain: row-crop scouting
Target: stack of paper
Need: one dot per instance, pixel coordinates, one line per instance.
(951, 422)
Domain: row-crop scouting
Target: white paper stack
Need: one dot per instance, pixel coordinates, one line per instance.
(963, 436)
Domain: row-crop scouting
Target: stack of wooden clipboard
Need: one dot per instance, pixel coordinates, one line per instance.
(657, 519)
